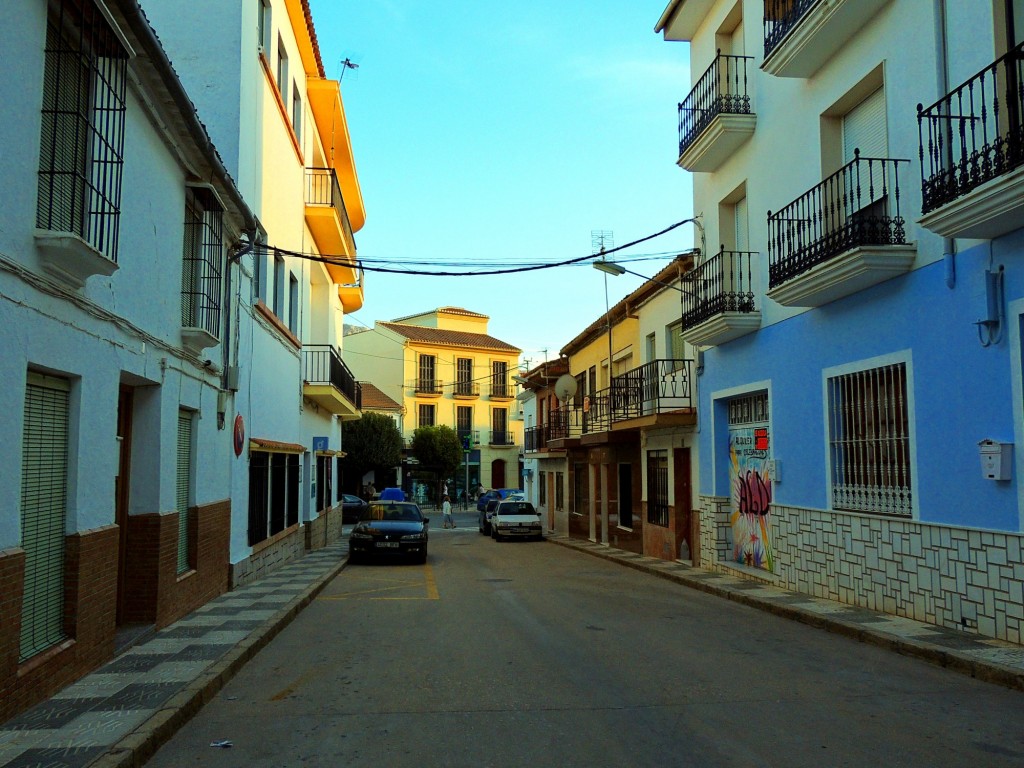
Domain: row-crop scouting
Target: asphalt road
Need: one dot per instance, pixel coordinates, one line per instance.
(524, 653)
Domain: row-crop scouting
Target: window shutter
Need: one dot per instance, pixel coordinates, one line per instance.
(864, 128)
(740, 223)
(44, 470)
(183, 486)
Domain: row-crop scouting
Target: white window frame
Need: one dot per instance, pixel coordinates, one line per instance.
(905, 358)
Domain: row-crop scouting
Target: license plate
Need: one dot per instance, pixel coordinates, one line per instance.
(388, 544)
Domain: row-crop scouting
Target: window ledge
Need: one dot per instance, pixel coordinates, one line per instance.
(68, 258)
(197, 339)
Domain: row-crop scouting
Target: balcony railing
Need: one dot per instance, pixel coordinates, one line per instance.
(781, 16)
(425, 386)
(973, 134)
(566, 422)
(323, 365)
(722, 89)
(858, 205)
(656, 387)
(322, 188)
(721, 284)
(466, 389)
(472, 434)
(536, 438)
(502, 390)
(502, 437)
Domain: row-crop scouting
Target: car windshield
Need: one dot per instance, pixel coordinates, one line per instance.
(403, 512)
(516, 508)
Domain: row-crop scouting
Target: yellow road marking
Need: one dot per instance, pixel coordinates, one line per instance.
(428, 581)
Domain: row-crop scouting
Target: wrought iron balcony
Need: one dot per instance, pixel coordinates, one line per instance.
(780, 17)
(472, 435)
(502, 437)
(660, 386)
(502, 390)
(465, 389)
(723, 283)
(328, 221)
(536, 438)
(970, 137)
(858, 205)
(566, 422)
(426, 386)
(721, 91)
(326, 376)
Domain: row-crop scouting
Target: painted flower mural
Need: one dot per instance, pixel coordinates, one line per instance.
(751, 498)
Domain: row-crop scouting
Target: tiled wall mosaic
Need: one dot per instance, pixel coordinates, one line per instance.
(952, 577)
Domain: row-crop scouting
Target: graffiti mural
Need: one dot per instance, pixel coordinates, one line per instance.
(751, 490)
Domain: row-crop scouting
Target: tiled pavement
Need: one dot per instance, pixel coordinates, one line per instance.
(120, 714)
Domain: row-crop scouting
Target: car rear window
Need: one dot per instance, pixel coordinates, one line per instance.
(517, 508)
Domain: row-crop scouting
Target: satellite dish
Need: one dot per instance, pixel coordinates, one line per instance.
(565, 387)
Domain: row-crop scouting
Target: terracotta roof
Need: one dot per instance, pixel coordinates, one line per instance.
(448, 338)
(375, 400)
(308, 13)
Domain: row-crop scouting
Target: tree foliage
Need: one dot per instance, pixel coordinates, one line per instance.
(438, 449)
(372, 442)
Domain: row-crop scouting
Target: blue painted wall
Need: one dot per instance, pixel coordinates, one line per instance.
(962, 392)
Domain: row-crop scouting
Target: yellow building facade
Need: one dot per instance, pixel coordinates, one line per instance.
(447, 370)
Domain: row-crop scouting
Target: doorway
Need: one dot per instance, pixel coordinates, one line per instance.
(498, 473)
(626, 496)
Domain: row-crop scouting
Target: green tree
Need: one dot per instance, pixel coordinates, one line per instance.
(439, 450)
(372, 442)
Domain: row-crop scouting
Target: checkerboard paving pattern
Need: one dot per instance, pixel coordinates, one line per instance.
(83, 721)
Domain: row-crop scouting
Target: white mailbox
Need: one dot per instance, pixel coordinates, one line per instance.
(995, 459)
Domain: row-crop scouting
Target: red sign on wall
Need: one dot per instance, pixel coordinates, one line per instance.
(761, 439)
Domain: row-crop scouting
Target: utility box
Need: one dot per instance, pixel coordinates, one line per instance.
(995, 459)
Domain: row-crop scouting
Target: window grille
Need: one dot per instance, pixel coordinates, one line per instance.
(43, 513)
(869, 441)
(657, 488)
(184, 487)
(749, 409)
(202, 262)
(82, 136)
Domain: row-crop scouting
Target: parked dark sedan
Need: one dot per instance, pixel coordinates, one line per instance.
(352, 508)
(390, 528)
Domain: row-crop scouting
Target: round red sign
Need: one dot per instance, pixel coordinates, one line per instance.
(239, 434)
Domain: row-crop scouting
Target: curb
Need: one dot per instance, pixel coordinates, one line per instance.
(139, 746)
(986, 671)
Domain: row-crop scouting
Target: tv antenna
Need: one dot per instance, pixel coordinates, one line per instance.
(601, 240)
(344, 64)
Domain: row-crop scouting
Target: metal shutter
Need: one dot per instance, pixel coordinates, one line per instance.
(184, 485)
(865, 128)
(44, 471)
(740, 213)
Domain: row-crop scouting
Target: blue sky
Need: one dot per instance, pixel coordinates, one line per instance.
(508, 132)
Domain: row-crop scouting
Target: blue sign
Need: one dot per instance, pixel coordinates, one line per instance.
(321, 444)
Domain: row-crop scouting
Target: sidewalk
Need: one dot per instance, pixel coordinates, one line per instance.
(119, 715)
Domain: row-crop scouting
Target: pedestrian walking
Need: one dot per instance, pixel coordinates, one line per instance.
(446, 510)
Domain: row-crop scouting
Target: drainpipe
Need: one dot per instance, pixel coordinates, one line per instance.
(942, 72)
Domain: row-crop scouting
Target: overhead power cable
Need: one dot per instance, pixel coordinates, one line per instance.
(369, 267)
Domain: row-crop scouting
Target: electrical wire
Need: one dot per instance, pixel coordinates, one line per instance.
(367, 266)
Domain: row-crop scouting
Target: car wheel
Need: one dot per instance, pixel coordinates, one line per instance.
(353, 558)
